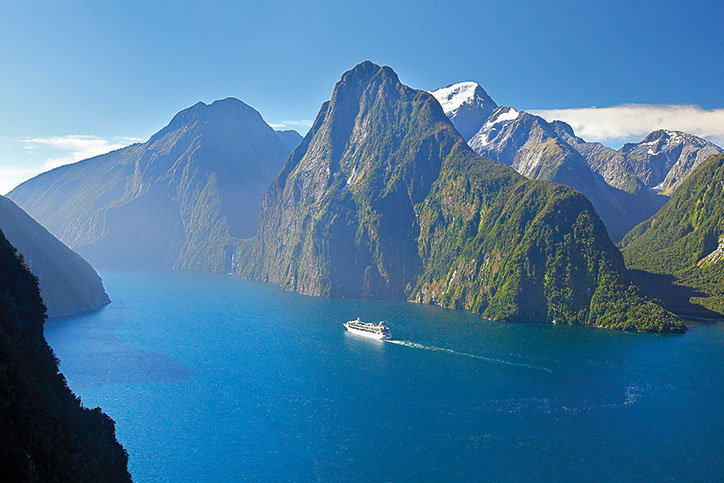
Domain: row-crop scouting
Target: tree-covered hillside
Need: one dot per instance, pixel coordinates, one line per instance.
(685, 240)
(383, 198)
(45, 433)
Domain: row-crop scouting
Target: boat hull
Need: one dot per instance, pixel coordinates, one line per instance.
(369, 335)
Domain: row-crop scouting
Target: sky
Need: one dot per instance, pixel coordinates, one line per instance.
(80, 78)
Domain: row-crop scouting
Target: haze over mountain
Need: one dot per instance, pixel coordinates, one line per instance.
(384, 199)
(685, 240)
(290, 138)
(182, 199)
(68, 284)
(624, 186)
(47, 435)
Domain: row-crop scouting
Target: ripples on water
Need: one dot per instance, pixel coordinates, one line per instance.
(212, 378)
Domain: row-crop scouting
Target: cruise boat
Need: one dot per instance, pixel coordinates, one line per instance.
(377, 331)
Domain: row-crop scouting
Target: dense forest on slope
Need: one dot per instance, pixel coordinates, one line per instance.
(45, 433)
(625, 186)
(383, 198)
(68, 284)
(685, 241)
(183, 199)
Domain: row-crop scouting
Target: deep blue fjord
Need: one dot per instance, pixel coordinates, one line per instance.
(214, 378)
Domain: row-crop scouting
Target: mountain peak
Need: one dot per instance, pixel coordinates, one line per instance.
(454, 96)
(363, 73)
(467, 105)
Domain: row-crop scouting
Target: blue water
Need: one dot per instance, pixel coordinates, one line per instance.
(213, 378)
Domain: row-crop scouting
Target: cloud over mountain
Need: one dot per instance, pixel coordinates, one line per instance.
(631, 122)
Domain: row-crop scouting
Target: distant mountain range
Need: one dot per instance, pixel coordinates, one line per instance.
(68, 284)
(625, 186)
(183, 199)
(383, 198)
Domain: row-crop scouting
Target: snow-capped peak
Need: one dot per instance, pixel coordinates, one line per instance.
(454, 96)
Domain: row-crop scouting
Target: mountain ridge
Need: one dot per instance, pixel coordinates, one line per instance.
(383, 198)
(183, 199)
(68, 283)
(617, 182)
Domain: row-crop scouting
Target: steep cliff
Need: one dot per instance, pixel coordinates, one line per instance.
(384, 199)
(46, 434)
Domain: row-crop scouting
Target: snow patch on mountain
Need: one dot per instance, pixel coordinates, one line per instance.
(454, 96)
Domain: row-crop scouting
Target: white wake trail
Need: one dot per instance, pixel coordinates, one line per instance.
(493, 360)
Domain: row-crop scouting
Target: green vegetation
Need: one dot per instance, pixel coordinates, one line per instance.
(45, 433)
(683, 240)
(384, 199)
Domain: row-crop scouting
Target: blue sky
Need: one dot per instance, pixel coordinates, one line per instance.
(82, 77)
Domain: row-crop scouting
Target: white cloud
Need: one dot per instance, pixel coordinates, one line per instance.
(303, 123)
(75, 147)
(45, 153)
(631, 122)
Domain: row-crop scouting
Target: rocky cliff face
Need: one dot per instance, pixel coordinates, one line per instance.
(183, 199)
(46, 434)
(384, 198)
(666, 158)
(68, 284)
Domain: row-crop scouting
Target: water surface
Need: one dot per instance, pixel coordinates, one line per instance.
(213, 378)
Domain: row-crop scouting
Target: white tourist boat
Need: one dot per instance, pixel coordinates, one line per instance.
(370, 330)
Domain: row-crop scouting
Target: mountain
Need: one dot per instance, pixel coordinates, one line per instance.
(661, 161)
(467, 105)
(666, 158)
(538, 149)
(684, 245)
(68, 284)
(290, 138)
(183, 199)
(625, 186)
(383, 198)
(47, 435)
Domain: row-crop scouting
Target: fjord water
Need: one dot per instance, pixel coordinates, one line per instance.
(213, 378)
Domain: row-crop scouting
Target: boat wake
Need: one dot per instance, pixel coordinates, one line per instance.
(493, 360)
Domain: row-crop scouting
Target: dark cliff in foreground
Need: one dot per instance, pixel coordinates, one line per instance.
(68, 284)
(383, 198)
(45, 433)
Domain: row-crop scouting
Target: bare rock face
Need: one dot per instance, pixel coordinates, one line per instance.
(716, 256)
(666, 158)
